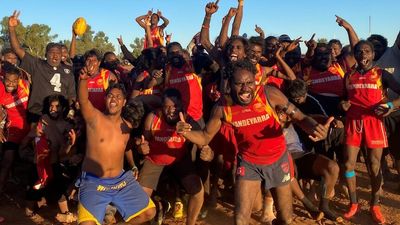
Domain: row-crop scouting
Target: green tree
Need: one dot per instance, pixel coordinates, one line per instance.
(137, 46)
(33, 38)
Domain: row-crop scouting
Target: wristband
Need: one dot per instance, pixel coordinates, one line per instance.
(390, 105)
(134, 168)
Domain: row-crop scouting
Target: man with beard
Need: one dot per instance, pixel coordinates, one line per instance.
(50, 130)
(166, 149)
(49, 76)
(262, 156)
(103, 180)
(325, 79)
(99, 79)
(365, 88)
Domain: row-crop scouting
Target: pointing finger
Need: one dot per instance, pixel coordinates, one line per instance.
(181, 117)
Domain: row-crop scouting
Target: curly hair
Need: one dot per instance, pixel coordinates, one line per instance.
(133, 112)
(229, 43)
(243, 64)
(55, 98)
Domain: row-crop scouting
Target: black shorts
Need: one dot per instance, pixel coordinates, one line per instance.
(184, 170)
(304, 167)
(10, 146)
(392, 124)
(275, 175)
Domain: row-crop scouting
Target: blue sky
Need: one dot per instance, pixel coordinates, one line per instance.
(292, 17)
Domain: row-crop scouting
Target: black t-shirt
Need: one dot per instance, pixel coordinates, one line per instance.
(47, 80)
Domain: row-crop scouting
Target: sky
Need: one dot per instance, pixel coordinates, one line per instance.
(292, 17)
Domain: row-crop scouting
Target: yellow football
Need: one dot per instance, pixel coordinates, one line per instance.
(80, 26)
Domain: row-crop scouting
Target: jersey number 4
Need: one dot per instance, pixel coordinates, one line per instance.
(56, 82)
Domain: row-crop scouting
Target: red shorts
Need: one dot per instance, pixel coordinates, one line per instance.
(368, 131)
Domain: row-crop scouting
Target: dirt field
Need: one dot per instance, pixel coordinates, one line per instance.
(12, 209)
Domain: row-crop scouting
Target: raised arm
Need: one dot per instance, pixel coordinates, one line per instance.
(289, 74)
(223, 35)
(203, 137)
(353, 38)
(164, 19)
(238, 19)
(311, 46)
(147, 29)
(260, 31)
(210, 9)
(127, 54)
(89, 112)
(13, 22)
(72, 47)
(140, 19)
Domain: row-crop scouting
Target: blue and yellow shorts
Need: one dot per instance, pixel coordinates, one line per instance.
(123, 191)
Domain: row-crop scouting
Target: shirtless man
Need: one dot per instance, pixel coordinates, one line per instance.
(103, 179)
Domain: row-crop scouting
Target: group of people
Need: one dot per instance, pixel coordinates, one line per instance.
(252, 112)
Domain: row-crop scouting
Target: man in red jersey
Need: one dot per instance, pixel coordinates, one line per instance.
(157, 32)
(262, 156)
(366, 89)
(99, 79)
(165, 148)
(14, 94)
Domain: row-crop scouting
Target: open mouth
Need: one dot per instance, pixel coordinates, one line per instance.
(364, 62)
(245, 97)
(113, 104)
(233, 57)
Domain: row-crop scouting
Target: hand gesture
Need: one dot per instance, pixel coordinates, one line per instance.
(40, 127)
(13, 20)
(159, 13)
(168, 37)
(311, 44)
(320, 132)
(143, 147)
(211, 8)
(182, 127)
(232, 12)
(120, 41)
(150, 12)
(343, 23)
(147, 21)
(84, 73)
(293, 45)
(383, 110)
(206, 153)
(337, 123)
(259, 30)
(278, 50)
(71, 137)
(157, 74)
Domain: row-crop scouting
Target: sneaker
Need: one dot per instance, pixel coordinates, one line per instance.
(178, 210)
(352, 211)
(377, 214)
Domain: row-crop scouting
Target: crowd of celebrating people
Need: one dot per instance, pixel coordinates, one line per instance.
(142, 136)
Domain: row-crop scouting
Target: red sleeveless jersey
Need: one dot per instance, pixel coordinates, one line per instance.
(275, 81)
(166, 146)
(365, 92)
(97, 86)
(158, 39)
(329, 82)
(257, 130)
(189, 84)
(16, 105)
